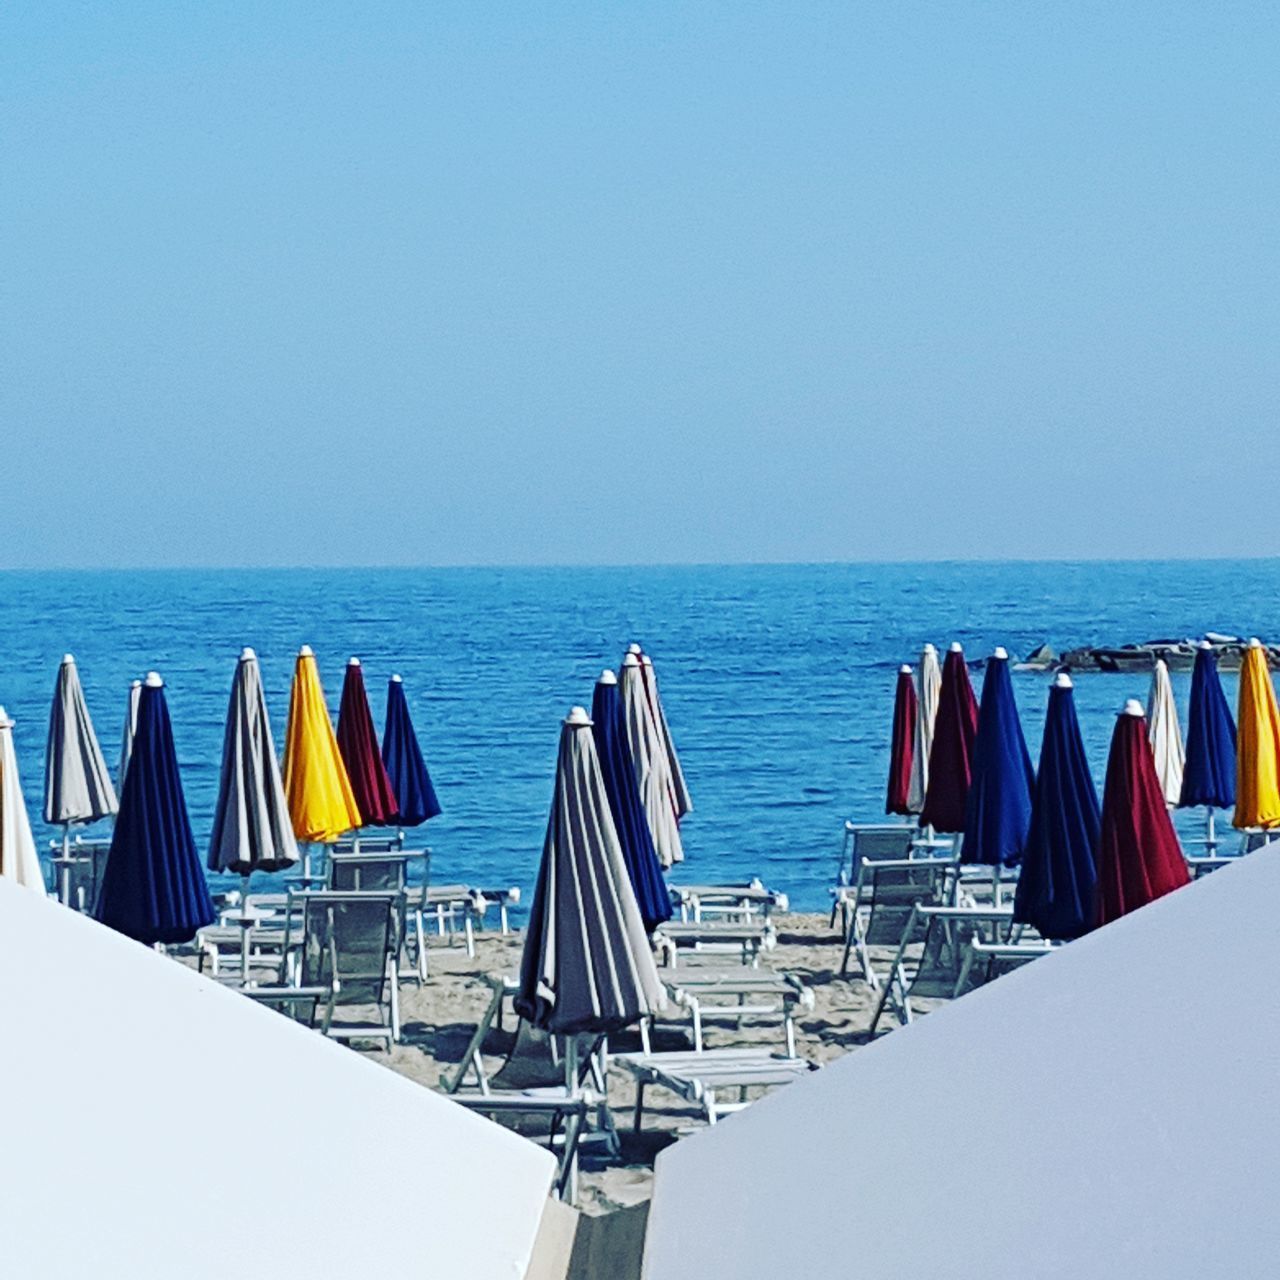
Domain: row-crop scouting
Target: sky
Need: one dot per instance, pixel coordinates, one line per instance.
(312, 284)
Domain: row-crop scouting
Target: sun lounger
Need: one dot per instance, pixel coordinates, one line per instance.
(736, 994)
(350, 940)
(78, 875)
(940, 971)
(867, 842)
(446, 902)
(735, 902)
(879, 904)
(678, 939)
(705, 1078)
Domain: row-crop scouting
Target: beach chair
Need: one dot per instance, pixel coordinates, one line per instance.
(679, 940)
(867, 842)
(738, 903)
(736, 994)
(349, 940)
(878, 906)
(943, 969)
(503, 899)
(716, 1081)
(78, 875)
(387, 843)
(986, 961)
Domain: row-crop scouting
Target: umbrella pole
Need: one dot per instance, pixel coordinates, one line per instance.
(1210, 839)
(64, 871)
(995, 885)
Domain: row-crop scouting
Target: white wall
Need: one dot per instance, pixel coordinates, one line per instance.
(1112, 1110)
(154, 1124)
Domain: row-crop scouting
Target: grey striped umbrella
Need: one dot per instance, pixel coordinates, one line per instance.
(126, 738)
(652, 765)
(587, 966)
(679, 791)
(77, 784)
(251, 826)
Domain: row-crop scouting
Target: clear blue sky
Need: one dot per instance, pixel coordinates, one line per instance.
(459, 283)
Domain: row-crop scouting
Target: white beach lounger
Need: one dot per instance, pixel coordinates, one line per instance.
(739, 993)
(735, 902)
(704, 1078)
(678, 939)
(448, 901)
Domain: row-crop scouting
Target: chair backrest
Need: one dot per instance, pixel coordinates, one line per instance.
(381, 871)
(350, 937)
(948, 932)
(391, 843)
(876, 841)
(889, 891)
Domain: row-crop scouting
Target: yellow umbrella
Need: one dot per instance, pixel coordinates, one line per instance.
(1257, 744)
(321, 803)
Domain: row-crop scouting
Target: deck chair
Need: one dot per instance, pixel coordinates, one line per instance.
(392, 843)
(944, 969)
(871, 842)
(881, 901)
(705, 1078)
(78, 876)
(549, 1089)
(986, 961)
(350, 940)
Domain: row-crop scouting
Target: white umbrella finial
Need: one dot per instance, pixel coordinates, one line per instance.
(306, 652)
(607, 677)
(1000, 653)
(1132, 707)
(153, 680)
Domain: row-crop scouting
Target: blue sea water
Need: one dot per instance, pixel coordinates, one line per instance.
(778, 680)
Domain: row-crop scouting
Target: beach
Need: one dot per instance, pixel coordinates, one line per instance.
(440, 1016)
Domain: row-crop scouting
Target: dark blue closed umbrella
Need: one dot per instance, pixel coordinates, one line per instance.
(1058, 884)
(1209, 778)
(619, 773)
(997, 813)
(154, 889)
(405, 766)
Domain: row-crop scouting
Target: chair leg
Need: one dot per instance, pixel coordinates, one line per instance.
(469, 932)
(639, 1103)
(421, 934)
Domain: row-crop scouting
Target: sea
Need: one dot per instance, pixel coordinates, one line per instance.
(778, 680)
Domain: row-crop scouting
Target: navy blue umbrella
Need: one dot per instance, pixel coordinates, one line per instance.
(1209, 778)
(997, 812)
(405, 766)
(1057, 887)
(616, 767)
(154, 889)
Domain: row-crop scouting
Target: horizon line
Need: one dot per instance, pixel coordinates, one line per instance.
(906, 562)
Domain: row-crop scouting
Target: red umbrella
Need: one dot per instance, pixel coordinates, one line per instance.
(905, 711)
(375, 796)
(951, 759)
(1139, 858)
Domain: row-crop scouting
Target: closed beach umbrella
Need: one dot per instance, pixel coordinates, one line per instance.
(77, 785)
(402, 756)
(251, 826)
(652, 768)
(18, 859)
(375, 796)
(126, 736)
(679, 791)
(951, 757)
(322, 805)
(587, 966)
(1139, 858)
(998, 804)
(1057, 886)
(926, 717)
(1257, 744)
(1209, 778)
(153, 889)
(1165, 734)
(609, 728)
(906, 714)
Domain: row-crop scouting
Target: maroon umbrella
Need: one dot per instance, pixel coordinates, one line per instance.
(905, 710)
(1139, 858)
(375, 796)
(951, 759)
